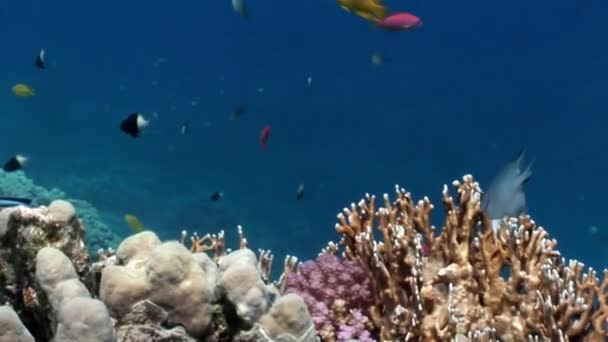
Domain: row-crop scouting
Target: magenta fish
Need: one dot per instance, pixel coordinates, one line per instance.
(402, 21)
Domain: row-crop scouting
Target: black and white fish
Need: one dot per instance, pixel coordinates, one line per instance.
(300, 192)
(40, 60)
(14, 163)
(216, 196)
(505, 196)
(134, 124)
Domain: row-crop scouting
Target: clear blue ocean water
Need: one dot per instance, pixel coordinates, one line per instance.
(463, 94)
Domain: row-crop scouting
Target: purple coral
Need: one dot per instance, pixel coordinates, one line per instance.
(356, 329)
(337, 293)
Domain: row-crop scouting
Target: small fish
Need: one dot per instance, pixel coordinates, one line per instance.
(264, 136)
(377, 58)
(134, 124)
(399, 22)
(240, 7)
(23, 90)
(592, 230)
(505, 196)
(195, 101)
(159, 61)
(309, 80)
(300, 192)
(6, 202)
(185, 127)
(134, 223)
(40, 61)
(15, 163)
(237, 112)
(216, 196)
(367, 9)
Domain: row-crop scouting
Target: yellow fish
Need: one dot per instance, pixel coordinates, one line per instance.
(367, 9)
(134, 223)
(23, 90)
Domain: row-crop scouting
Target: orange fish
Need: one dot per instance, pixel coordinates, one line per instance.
(264, 136)
(367, 9)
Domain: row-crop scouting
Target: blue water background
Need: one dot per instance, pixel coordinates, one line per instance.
(463, 94)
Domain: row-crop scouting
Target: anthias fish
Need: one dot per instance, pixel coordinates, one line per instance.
(400, 22)
(264, 136)
(367, 9)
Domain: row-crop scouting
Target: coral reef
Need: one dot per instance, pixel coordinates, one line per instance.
(392, 277)
(145, 290)
(11, 328)
(99, 235)
(24, 232)
(469, 282)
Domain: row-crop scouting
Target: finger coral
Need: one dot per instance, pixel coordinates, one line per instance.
(469, 281)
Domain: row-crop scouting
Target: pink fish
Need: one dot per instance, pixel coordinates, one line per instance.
(264, 136)
(402, 21)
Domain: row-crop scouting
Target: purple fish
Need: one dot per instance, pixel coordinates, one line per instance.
(402, 21)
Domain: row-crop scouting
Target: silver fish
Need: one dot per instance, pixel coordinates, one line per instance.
(6, 202)
(505, 196)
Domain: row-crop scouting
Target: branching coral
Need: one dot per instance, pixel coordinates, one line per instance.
(216, 244)
(440, 287)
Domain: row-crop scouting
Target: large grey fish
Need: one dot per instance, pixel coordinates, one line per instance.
(506, 196)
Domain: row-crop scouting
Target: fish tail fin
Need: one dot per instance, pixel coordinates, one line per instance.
(379, 11)
(521, 155)
(527, 173)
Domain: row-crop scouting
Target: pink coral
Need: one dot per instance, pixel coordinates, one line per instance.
(336, 291)
(357, 328)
